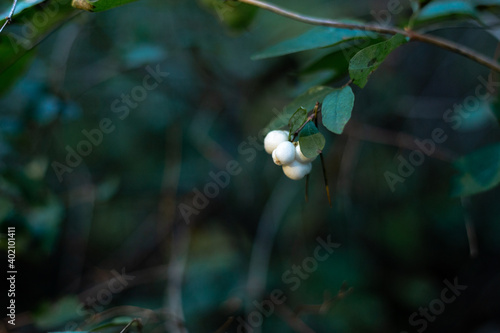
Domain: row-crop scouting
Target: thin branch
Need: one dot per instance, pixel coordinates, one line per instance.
(469, 227)
(136, 320)
(8, 19)
(311, 117)
(414, 36)
(271, 217)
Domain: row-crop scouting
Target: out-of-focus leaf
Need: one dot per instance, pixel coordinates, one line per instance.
(311, 141)
(44, 222)
(336, 109)
(479, 171)
(6, 207)
(50, 315)
(369, 59)
(107, 189)
(307, 100)
(143, 54)
(315, 38)
(115, 323)
(99, 5)
(446, 10)
(495, 109)
(37, 168)
(47, 110)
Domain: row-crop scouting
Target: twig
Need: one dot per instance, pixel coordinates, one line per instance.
(180, 235)
(318, 109)
(414, 36)
(225, 326)
(328, 302)
(8, 19)
(294, 322)
(176, 271)
(310, 118)
(136, 320)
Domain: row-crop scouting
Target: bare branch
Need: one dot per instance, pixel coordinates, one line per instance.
(8, 19)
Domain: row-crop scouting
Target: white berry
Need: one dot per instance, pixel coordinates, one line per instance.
(301, 157)
(273, 139)
(297, 170)
(284, 154)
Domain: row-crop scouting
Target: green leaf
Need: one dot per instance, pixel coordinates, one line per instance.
(337, 58)
(115, 322)
(311, 141)
(15, 67)
(307, 100)
(479, 171)
(297, 120)
(99, 5)
(6, 7)
(315, 38)
(56, 313)
(19, 39)
(337, 108)
(369, 59)
(445, 10)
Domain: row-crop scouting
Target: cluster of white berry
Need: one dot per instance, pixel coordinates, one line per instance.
(287, 154)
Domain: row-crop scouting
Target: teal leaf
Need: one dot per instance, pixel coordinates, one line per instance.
(311, 141)
(445, 10)
(478, 171)
(315, 38)
(337, 108)
(56, 313)
(99, 5)
(307, 100)
(297, 120)
(369, 59)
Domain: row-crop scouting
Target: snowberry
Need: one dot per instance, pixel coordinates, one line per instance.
(297, 170)
(284, 154)
(300, 157)
(273, 139)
